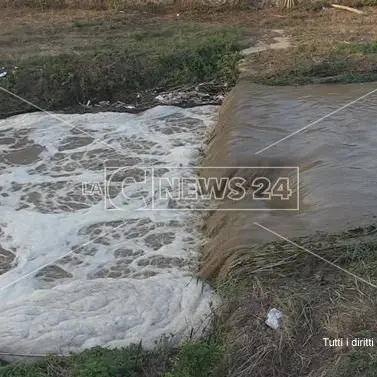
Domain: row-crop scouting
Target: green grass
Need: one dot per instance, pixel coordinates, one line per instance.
(360, 362)
(360, 47)
(207, 358)
(94, 362)
(363, 364)
(361, 259)
(204, 358)
(116, 70)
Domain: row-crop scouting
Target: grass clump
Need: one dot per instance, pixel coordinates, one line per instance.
(361, 363)
(364, 48)
(125, 362)
(361, 259)
(208, 358)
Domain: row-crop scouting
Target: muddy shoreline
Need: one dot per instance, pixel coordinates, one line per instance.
(207, 93)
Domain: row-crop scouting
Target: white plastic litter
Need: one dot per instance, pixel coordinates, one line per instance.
(274, 318)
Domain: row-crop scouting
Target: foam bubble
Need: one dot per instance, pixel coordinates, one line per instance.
(95, 276)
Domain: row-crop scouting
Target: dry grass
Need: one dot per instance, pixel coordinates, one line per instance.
(319, 51)
(123, 4)
(319, 42)
(317, 300)
(80, 4)
(182, 4)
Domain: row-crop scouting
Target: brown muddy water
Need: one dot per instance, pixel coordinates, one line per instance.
(335, 158)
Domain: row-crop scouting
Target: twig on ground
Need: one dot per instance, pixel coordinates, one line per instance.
(343, 7)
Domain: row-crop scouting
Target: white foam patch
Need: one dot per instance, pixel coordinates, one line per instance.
(96, 276)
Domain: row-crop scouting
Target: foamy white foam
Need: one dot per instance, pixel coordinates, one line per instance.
(96, 276)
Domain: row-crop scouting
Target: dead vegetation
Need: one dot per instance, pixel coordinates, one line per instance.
(118, 5)
(334, 46)
(318, 301)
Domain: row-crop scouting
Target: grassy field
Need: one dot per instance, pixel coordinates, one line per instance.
(121, 58)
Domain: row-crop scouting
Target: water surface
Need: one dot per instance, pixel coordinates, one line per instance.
(336, 158)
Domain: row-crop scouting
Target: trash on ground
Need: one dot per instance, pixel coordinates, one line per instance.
(274, 318)
(202, 94)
